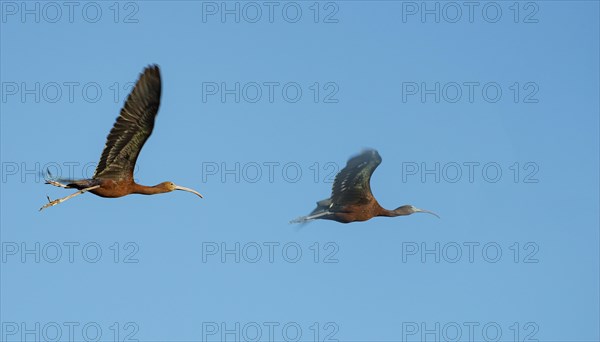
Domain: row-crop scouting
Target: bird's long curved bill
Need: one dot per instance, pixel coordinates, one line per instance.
(427, 212)
(178, 187)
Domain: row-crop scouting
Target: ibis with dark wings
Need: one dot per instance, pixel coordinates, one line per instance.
(114, 173)
(351, 198)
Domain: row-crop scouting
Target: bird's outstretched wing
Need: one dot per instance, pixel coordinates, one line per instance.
(132, 128)
(352, 184)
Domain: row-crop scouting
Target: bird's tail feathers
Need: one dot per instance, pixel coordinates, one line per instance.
(69, 183)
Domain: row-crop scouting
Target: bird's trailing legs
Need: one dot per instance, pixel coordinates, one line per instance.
(308, 218)
(60, 200)
(55, 183)
(50, 180)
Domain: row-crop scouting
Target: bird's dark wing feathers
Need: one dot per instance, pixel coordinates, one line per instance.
(132, 128)
(352, 184)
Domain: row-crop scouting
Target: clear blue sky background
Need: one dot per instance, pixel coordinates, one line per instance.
(550, 209)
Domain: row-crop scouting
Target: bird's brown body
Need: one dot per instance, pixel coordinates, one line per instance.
(356, 213)
(111, 188)
(114, 173)
(360, 212)
(351, 197)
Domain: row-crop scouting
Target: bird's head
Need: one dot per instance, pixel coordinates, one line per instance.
(170, 186)
(375, 155)
(409, 209)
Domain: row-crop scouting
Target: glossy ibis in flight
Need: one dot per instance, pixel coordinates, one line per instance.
(351, 198)
(114, 173)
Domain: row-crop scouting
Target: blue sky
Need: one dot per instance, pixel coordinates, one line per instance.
(487, 115)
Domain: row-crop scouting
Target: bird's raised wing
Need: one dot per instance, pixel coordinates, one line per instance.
(352, 184)
(132, 128)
